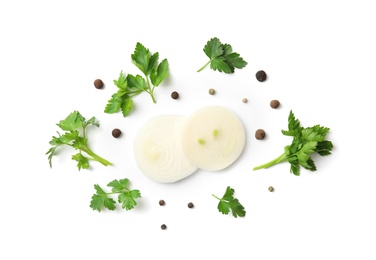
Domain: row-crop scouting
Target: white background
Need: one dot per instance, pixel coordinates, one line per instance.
(320, 60)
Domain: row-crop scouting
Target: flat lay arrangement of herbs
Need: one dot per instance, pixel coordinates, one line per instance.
(306, 141)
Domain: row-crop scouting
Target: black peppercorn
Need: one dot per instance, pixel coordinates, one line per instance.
(116, 133)
(260, 134)
(98, 83)
(161, 202)
(190, 205)
(175, 95)
(261, 75)
(163, 226)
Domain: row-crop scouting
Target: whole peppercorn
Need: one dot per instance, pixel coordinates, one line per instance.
(98, 83)
(163, 226)
(271, 189)
(261, 75)
(244, 100)
(116, 133)
(211, 91)
(260, 134)
(161, 202)
(175, 95)
(274, 103)
(190, 205)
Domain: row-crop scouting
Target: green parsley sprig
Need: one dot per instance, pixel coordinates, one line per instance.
(126, 197)
(130, 86)
(222, 58)
(74, 126)
(306, 141)
(228, 202)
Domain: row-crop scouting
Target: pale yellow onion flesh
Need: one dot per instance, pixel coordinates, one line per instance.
(213, 138)
(158, 150)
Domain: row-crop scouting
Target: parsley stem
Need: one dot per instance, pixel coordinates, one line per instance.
(277, 160)
(95, 156)
(150, 90)
(118, 192)
(152, 97)
(203, 67)
(84, 131)
(216, 197)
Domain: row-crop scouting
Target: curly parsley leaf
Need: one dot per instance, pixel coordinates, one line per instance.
(306, 141)
(130, 86)
(229, 203)
(222, 58)
(126, 197)
(74, 126)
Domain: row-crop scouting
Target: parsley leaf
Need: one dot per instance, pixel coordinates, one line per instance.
(306, 141)
(82, 161)
(122, 99)
(101, 200)
(129, 85)
(72, 122)
(222, 58)
(126, 197)
(74, 126)
(228, 203)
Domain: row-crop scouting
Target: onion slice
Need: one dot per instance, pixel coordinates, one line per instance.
(213, 138)
(158, 150)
